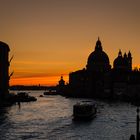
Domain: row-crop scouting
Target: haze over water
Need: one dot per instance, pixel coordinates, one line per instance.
(50, 118)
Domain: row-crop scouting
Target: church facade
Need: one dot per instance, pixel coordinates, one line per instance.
(98, 79)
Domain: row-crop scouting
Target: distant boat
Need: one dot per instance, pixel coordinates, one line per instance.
(41, 96)
(50, 92)
(84, 110)
(24, 97)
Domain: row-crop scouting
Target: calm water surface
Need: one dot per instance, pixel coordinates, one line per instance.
(50, 118)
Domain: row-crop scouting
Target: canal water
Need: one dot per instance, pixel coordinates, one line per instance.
(50, 118)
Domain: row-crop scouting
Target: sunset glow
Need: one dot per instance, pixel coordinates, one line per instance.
(43, 81)
(50, 38)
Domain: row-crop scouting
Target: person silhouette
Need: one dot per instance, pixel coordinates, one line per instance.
(19, 104)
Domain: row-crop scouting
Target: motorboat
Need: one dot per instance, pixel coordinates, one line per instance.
(84, 110)
(50, 92)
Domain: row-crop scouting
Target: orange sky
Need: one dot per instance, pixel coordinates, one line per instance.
(36, 80)
(50, 38)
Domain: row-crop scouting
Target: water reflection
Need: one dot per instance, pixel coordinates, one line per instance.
(3, 114)
(51, 118)
(5, 123)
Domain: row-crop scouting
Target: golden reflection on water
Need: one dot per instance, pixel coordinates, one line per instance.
(51, 118)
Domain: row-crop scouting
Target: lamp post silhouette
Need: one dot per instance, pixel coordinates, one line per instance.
(132, 137)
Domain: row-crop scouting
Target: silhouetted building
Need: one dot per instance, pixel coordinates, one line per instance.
(98, 71)
(123, 63)
(4, 68)
(98, 60)
(61, 82)
(61, 86)
(98, 79)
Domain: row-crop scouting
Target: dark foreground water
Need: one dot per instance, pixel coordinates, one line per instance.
(50, 118)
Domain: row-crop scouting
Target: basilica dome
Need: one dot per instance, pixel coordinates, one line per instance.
(98, 59)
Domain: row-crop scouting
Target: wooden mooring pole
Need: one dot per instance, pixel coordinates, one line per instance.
(137, 127)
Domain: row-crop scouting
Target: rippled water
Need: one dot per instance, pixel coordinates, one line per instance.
(50, 118)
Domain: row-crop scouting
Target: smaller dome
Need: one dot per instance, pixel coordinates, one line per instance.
(121, 62)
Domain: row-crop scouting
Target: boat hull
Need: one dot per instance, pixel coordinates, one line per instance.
(84, 111)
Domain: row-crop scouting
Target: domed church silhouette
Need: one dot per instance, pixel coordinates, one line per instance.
(98, 79)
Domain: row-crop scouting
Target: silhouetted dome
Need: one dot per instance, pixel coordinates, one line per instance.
(98, 58)
(4, 45)
(119, 61)
(123, 62)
